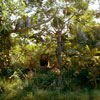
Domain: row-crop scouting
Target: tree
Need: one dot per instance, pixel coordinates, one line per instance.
(54, 29)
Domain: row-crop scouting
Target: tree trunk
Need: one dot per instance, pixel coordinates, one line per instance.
(59, 50)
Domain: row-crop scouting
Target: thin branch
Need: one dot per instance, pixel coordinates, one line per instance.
(38, 24)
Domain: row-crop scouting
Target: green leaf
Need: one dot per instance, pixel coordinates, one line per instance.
(87, 48)
(23, 3)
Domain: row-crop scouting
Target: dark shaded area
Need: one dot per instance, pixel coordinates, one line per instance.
(25, 71)
(44, 60)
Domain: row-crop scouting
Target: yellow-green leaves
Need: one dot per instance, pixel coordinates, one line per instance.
(23, 3)
(87, 48)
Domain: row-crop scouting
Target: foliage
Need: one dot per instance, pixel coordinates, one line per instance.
(21, 77)
(31, 91)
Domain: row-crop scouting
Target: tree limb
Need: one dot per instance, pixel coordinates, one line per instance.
(40, 23)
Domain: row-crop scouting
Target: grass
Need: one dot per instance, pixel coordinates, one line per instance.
(33, 89)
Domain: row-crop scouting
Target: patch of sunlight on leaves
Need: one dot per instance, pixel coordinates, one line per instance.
(15, 84)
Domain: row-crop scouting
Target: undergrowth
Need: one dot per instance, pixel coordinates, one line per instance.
(44, 86)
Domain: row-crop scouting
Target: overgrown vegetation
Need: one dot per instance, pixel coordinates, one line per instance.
(49, 50)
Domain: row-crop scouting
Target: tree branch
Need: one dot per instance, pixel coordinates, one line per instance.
(33, 26)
